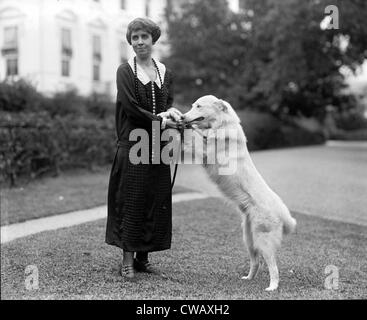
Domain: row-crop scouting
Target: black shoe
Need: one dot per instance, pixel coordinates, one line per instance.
(144, 266)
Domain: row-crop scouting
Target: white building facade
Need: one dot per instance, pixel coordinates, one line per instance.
(62, 44)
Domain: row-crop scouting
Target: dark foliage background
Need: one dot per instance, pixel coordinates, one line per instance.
(273, 56)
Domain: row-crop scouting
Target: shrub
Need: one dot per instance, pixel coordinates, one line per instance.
(24, 143)
(40, 134)
(350, 121)
(350, 135)
(19, 96)
(35, 143)
(85, 141)
(66, 103)
(100, 106)
(264, 131)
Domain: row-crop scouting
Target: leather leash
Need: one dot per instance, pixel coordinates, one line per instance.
(181, 126)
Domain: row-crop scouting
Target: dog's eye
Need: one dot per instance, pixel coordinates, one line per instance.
(198, 106)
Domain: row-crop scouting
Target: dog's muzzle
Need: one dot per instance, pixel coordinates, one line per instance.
(197, 119)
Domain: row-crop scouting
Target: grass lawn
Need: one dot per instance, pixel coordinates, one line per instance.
(206, 261)
(73, 190)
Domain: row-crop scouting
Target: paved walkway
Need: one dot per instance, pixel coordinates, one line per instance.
(23, 229)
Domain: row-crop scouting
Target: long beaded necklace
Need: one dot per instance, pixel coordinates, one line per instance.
(153, 97)
(152, 84)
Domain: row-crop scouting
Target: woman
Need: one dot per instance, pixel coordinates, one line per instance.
(139, 195)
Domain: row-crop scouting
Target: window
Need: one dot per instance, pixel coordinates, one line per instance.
(96, 72)
(123, 4)
(11, 67)
(11, 38)
(66, 41)
(97, 47)
(97, 57)
(66, 52)
(10, 50)
(65, 67)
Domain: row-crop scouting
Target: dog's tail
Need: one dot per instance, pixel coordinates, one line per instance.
(289, 223)
(289, 226)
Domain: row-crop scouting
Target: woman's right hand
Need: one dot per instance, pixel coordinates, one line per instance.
(175, 114)
(171, 124)
(171, 113)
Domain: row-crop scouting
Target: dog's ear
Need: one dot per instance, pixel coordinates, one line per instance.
(221, 105)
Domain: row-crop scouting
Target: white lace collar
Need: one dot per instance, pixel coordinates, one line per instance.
(143, 77)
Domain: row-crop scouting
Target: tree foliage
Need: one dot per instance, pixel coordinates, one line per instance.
(207, 44)
(272, 56)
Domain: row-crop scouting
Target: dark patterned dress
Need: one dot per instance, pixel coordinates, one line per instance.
(139, 195)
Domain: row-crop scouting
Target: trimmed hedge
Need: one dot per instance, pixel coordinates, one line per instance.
(350, 135)
(40, 134)
(351, 121)
(264, 131)
(35, 143)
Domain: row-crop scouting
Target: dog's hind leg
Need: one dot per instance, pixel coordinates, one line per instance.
(254, 265)
(253, 253)
(269, 255)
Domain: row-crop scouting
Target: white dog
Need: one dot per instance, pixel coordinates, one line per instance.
(264, 215)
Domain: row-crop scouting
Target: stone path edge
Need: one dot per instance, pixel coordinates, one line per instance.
(30, 227)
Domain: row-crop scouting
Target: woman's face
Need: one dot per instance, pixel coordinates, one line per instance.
(142, 43)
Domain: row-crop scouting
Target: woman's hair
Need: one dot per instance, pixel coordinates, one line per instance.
(143, 24)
